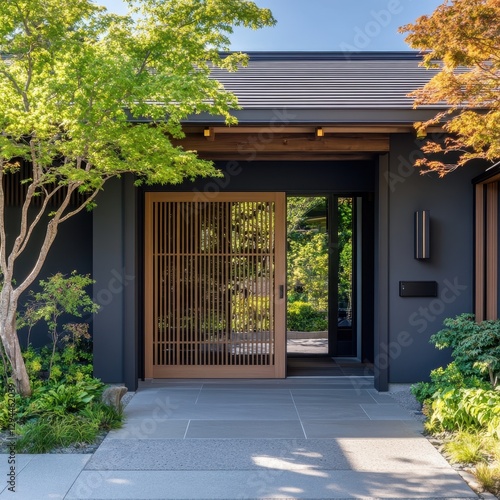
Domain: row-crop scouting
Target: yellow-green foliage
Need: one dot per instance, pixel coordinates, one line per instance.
(453, 409)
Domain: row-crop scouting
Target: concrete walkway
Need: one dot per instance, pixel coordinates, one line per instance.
(297, 438)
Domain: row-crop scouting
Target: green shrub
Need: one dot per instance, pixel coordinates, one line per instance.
(60, 295)
(465, 409)
(475, 346)
(64, 408)
(442, 378)
(303, 317)
(62, 399)
(60, 416)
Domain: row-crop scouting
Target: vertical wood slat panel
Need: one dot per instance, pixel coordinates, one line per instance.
(169, 289)
(278, 234)
(213, 275)
(273, 287)
(196, 241)
(176, 334)
(219, 292)
(479, 255)
(492, 250)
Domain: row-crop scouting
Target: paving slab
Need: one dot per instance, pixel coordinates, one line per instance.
(386, 412)
(268, 396)
(218, 454)
(391, 455)
(258, 429)
(47, 476)
(217, 411)
(339, 411)
(361, 429)
(325, 396)
(151, 429)
(270, 484)
(18, 461)
(159, 396)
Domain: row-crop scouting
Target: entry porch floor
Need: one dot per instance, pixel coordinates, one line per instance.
(296, 438)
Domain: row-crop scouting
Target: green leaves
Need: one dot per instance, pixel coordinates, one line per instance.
(73, 77)
(304, 317)
(475, 346)
(459, 408)
(60, 294)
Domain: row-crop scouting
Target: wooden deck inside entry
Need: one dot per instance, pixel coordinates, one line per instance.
(215, 285)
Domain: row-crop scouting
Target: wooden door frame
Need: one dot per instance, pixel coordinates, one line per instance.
(278, 369)
(486, 249)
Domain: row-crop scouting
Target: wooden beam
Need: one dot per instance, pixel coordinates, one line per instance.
(308, 129)
(294, 156)
(241, 144)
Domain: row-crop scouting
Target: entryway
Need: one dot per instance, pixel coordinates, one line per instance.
(216, 284)
(324, 285)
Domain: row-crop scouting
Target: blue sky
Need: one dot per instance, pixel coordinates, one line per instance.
(327, 25)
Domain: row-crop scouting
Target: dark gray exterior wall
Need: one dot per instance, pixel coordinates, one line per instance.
(114, 269)
(381, 281)
(71, 251)
(403, 326)
(411, 321)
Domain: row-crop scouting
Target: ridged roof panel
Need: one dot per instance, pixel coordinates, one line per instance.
(309, 81)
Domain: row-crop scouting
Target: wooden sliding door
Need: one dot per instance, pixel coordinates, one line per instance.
(214, 285)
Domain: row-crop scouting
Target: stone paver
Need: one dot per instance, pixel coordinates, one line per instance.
(270, 439)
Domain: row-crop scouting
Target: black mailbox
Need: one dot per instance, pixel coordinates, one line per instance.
(418, 288)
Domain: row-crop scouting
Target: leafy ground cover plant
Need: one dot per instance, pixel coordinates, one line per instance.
(462, 401)
(449, 377)
(65, 405)
(475, 346)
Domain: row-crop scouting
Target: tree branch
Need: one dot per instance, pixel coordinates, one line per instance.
(81, 207)
(36, 220)
(50, 235)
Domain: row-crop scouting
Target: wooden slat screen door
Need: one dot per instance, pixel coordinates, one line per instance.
(214, 285)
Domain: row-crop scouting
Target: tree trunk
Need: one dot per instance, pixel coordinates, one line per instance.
(10, 340)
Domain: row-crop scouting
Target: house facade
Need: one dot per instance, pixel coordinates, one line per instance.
(191, 278)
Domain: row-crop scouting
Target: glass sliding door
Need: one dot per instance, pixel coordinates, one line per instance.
(307, 275)
(343, 289)
(322, 263)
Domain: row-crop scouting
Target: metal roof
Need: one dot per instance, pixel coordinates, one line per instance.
(327, 81)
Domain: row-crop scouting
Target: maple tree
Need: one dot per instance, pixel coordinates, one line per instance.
(462, 39)
(86, 96)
